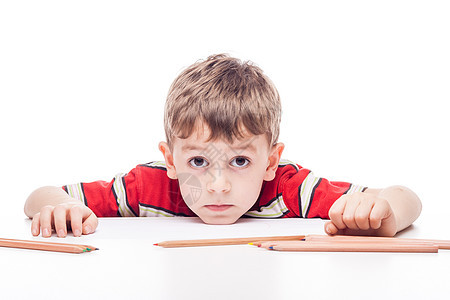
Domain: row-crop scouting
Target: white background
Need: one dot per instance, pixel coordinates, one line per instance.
(364, 86)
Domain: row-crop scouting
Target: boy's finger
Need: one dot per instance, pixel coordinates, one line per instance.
(336, 211)
(348, 216)
(90, 224)
(362, 214)
(46, 220)
(60, 216)
(76, 217)
(378, 213)
(330, 228)
(35, 225)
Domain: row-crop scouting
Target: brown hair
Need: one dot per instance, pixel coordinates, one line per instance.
(225, 94)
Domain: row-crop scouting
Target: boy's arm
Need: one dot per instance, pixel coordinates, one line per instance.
(382, 212)
(52, 207)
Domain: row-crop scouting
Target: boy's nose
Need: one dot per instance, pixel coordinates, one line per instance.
(218, 184)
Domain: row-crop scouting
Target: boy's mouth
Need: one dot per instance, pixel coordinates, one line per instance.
(218, 207)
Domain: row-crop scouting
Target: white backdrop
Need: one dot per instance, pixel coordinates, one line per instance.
(364, 86)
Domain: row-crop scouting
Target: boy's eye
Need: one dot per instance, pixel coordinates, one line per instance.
(240, 162)
(198, 162)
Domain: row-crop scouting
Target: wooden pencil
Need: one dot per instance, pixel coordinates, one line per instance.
(442, 244)
(46, 246)
(269, 244)
(87, 247)
(266, 242)
(225, 241)
(322, 246)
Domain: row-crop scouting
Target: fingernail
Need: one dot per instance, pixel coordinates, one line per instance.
(61, 233)
(45, 232)
(33, 231)
(77, 232)
(87, 229)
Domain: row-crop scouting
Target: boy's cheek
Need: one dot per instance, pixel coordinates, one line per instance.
(191, 188)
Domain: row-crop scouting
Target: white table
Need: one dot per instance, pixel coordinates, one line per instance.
(128, 266)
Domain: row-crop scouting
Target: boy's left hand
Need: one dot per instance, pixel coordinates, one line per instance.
(361, 213)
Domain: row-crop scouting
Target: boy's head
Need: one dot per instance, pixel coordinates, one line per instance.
(222, 119)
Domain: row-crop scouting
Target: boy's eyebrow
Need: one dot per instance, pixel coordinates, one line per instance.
(189, 147)
(250, 147)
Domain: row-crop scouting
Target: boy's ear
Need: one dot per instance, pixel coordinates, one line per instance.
(274, 159)
(168, 157)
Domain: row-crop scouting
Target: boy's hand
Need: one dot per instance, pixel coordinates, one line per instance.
(361, 214)
(81, 218)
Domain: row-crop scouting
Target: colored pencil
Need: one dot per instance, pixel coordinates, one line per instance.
(442, 244)
(45, 246)
(349, 243)
(225, 241)
(349, 246)
(269, 244)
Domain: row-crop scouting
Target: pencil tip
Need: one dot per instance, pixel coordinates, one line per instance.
(250, 243)
(97, 249)
(271, 248)
(155, 244)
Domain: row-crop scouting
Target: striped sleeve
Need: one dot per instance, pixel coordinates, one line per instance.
(76, 191)
(317, 195)
(116, 198)
(309, 196)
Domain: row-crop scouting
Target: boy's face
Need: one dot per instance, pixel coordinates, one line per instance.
(219, 181)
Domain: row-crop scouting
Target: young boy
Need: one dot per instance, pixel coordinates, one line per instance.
(222, 161)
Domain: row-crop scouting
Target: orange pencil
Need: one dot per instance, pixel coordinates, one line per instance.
(442, 244)
(320, 246)
(226, 241)
(46, 246)
(87, 247)
(269, 244)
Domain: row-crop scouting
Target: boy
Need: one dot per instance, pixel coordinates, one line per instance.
(222, 161)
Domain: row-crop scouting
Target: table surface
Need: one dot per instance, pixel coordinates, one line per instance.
(128, 266)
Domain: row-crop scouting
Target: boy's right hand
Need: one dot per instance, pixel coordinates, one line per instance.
(78, 216)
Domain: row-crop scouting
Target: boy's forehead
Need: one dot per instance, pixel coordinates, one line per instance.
(247, 144)
(198, 140)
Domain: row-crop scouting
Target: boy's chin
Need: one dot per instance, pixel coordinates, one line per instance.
(219, 220)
